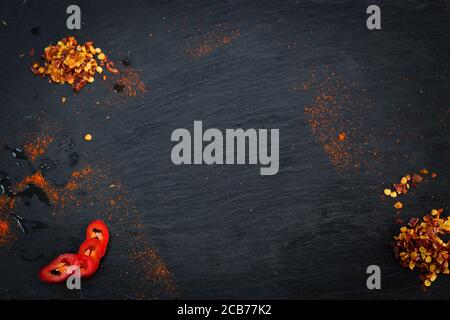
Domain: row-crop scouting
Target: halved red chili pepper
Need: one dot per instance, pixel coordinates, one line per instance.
(99, 230)
(92, 248)
(88, 265)
(59, 269)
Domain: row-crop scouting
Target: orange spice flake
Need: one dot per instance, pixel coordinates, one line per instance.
(39, 147)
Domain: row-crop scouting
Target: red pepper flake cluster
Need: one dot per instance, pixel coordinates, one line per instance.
(405, 184)
(72, 63)
(421, 247)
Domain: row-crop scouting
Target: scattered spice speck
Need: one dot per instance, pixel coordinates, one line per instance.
(199, 46)
(37, 148)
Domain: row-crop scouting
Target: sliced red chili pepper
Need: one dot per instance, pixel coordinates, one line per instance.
(88, 265)
(92, 248)
(99, 230)
(59, 269)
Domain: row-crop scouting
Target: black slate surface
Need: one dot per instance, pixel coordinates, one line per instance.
(225, 231)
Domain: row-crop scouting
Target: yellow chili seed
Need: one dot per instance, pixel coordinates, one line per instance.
(433, 276)
(427, 283)
(404, 180)
(398, 205)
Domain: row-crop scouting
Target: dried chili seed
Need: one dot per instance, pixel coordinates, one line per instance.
(387, 192)
(398, 205)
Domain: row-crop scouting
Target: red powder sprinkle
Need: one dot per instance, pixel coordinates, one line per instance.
(200, 46)
(5, 233)
(39, 147)
(130, 83)
(40, 181)
(6, 203)
(332, 117)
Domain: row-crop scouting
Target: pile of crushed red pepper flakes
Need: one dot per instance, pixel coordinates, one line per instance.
(72, 63)
(421, 247)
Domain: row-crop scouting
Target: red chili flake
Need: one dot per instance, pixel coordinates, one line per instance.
(417, 178)
(412, 222)
(400, 188)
